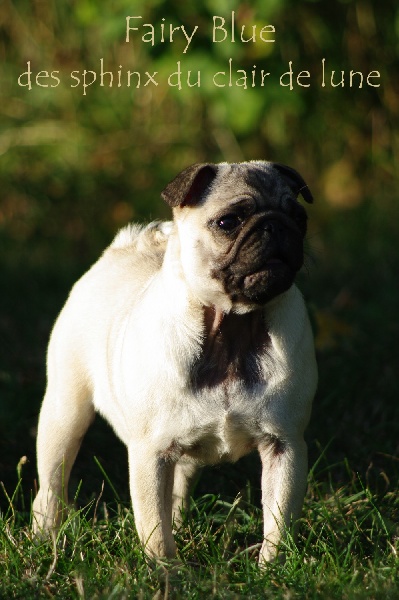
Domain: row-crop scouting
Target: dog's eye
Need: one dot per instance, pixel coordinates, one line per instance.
(229, 222)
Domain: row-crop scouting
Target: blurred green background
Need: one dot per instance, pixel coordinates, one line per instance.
(76, 166)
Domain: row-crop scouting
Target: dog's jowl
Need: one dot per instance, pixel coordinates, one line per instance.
(192, 340)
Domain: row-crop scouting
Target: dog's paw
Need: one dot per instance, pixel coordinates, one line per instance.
(269, 553)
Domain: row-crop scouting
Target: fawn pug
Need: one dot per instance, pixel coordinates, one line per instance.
(192, 340)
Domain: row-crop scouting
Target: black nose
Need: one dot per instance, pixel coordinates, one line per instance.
(272, 226)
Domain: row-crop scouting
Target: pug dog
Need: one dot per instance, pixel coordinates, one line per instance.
(191, 339)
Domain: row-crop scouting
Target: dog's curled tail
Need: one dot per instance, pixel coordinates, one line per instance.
(155, 232)
(127, 235)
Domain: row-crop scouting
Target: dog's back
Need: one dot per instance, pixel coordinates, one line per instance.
(126, 266)
(105, 294)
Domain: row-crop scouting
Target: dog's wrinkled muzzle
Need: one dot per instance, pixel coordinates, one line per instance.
(263, 260)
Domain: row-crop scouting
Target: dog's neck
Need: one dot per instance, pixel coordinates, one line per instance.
(230, 345)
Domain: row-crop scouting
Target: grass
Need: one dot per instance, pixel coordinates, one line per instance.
(347, 548)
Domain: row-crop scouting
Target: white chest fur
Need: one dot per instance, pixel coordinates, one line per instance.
(210, 403)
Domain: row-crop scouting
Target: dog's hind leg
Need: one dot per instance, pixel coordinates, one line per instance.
(65, 416)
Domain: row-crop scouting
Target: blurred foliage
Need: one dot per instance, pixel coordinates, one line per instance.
(75, 167)
(68, 158)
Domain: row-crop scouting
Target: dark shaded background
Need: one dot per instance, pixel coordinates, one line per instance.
(74, 168)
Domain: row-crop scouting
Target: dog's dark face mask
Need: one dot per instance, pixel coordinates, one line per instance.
(265, 233)
(255, 225)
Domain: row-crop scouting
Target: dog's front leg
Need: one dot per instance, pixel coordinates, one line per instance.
(186, 473)
(151, 484)
(284, 477)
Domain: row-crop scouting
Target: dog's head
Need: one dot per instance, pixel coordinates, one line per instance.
(240, 230)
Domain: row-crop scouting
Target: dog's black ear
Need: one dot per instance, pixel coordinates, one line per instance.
(295, 181)
(188, 186)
